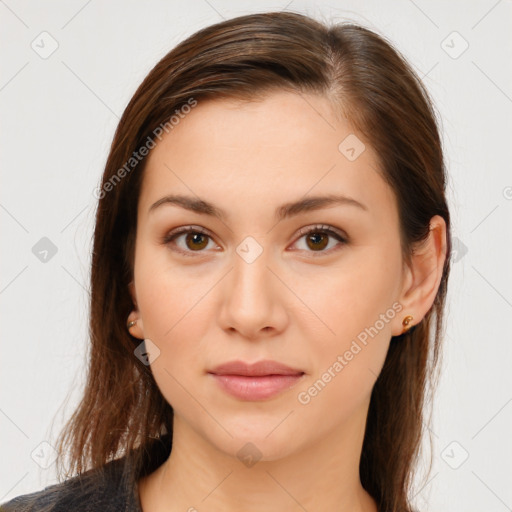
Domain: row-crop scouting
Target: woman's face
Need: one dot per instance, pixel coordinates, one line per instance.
(250, 285)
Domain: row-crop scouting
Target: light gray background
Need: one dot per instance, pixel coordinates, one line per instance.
(58, 116)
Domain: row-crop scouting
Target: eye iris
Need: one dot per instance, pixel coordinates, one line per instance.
(314, 237)
(194, 237)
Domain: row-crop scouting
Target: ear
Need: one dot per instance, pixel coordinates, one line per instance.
(137, 329)
(422, 275)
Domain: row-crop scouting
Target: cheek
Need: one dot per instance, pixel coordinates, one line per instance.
(356, 307)
(175, 318)
(174, 308)
(352, 295)
(169, 294)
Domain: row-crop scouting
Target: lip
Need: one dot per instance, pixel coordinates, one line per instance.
(258, 369)
(257, 381)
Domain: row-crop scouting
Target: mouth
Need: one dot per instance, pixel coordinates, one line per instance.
(258, 381)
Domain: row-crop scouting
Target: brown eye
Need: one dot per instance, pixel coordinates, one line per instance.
(194, 240)
(317, 241)
(318, 237)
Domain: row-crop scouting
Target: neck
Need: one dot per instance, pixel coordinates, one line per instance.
(323, 476)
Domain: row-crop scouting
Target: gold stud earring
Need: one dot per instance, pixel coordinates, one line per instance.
(406, 323)
(131, 324)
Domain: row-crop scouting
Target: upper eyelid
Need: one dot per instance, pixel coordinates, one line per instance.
(322, 227)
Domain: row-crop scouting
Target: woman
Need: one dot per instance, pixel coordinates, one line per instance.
(269, 272)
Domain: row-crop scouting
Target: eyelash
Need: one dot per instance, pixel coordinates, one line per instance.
(319, 228)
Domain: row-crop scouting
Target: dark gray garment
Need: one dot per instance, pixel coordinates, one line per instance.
(113, 488)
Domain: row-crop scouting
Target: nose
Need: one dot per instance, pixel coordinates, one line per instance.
(253, 299)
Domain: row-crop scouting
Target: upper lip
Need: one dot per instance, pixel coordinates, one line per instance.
(265, 367)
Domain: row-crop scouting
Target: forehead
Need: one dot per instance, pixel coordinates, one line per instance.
(278, 148)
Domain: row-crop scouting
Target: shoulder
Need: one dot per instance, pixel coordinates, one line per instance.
(95, 490)
(110, 488)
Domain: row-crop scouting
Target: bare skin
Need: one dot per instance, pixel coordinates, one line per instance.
(300, 303)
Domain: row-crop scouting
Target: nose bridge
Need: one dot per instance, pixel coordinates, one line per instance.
(252, 300)
(251, 285)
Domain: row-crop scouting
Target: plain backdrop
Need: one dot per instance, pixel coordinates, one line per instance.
(69, 68)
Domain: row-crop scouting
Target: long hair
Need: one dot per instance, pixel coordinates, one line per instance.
(369, 83)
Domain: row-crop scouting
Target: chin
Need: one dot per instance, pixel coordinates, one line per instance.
(255, 445)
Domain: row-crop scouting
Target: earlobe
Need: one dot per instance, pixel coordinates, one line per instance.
(134, 322)
(424, 273)
(134, 326)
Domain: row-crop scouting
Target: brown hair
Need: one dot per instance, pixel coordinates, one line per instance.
(370, 84)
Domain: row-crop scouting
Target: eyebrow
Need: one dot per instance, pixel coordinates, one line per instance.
(284, 211)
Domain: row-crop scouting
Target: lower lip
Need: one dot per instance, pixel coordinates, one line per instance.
(256, 388)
